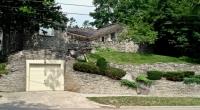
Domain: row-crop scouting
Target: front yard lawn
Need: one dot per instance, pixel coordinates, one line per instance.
(146, 101)
(133, 58)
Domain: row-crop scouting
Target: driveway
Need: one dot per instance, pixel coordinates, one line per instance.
(44, 100)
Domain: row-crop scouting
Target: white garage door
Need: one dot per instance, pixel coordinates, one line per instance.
(45, 77)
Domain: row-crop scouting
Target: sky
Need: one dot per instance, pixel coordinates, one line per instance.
(78, 9)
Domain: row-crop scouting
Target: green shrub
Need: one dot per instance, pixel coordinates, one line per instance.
(85, 67)
(2, 69)
(175, 76)
(154, 75)
(143, 79)
(188, 74)
(115, 73)
(191, 80)
(2, 66)
(102, 64)
(129, 83)
(197, 76)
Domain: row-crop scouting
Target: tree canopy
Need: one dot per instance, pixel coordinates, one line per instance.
(21, 15)
(174, 24)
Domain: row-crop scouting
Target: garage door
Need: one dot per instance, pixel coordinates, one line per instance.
(45, 77)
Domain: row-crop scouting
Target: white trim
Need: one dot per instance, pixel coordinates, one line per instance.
(28, 62)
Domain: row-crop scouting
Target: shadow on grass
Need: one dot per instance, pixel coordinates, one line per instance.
(148, 55)
(190, 60)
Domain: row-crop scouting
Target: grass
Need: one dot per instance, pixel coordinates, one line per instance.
(133, 58)
(2, 69)
(146, 101)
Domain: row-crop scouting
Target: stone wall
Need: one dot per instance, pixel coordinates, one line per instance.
(57, 43)
(142, 68)
(164, 87)
(16, 78)
(87, 83)
(167, 88)
(120, 46)
(92, 83)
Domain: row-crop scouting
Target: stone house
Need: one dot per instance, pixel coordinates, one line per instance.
(104, 37)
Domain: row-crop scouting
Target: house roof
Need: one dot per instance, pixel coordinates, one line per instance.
(86, 34)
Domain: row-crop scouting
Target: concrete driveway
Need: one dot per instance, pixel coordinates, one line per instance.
(44, 100)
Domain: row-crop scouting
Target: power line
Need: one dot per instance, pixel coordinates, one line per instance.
(76, 5)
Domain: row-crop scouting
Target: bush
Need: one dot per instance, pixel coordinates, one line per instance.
(197, 76)
(115, 73)
(191, 80)
(143, 79)
(175, 76)
(102, 64)
(2, 66)
(85, 67)
(154, 75)
(188, 74)
(129, 83)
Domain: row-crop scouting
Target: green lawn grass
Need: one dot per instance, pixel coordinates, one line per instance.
(2, 69)
(132, 58)
(146, 101)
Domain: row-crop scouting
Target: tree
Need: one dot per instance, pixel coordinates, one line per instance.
(28, 15)
(86, 25)
(71, 22)
(172, 24)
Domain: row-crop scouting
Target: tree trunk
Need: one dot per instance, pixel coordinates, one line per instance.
(6, 39)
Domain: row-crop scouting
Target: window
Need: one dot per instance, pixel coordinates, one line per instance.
(49, 31)
(113, 37)
(102, 39)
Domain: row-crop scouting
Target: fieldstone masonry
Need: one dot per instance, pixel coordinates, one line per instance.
(164, 87)
(93, 84)
(16, 78)
(141, 69)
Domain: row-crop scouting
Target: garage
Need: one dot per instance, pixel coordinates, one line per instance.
(44, 75)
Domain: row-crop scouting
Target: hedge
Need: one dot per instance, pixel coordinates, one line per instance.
(191, 80)
(175, 76)
(86, 67)
(154, 75)
(102, 64)
(188, 74)
(115, 73)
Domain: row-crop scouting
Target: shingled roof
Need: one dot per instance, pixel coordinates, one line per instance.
(86, 34)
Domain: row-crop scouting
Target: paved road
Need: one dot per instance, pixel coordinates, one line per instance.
(63, 100)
